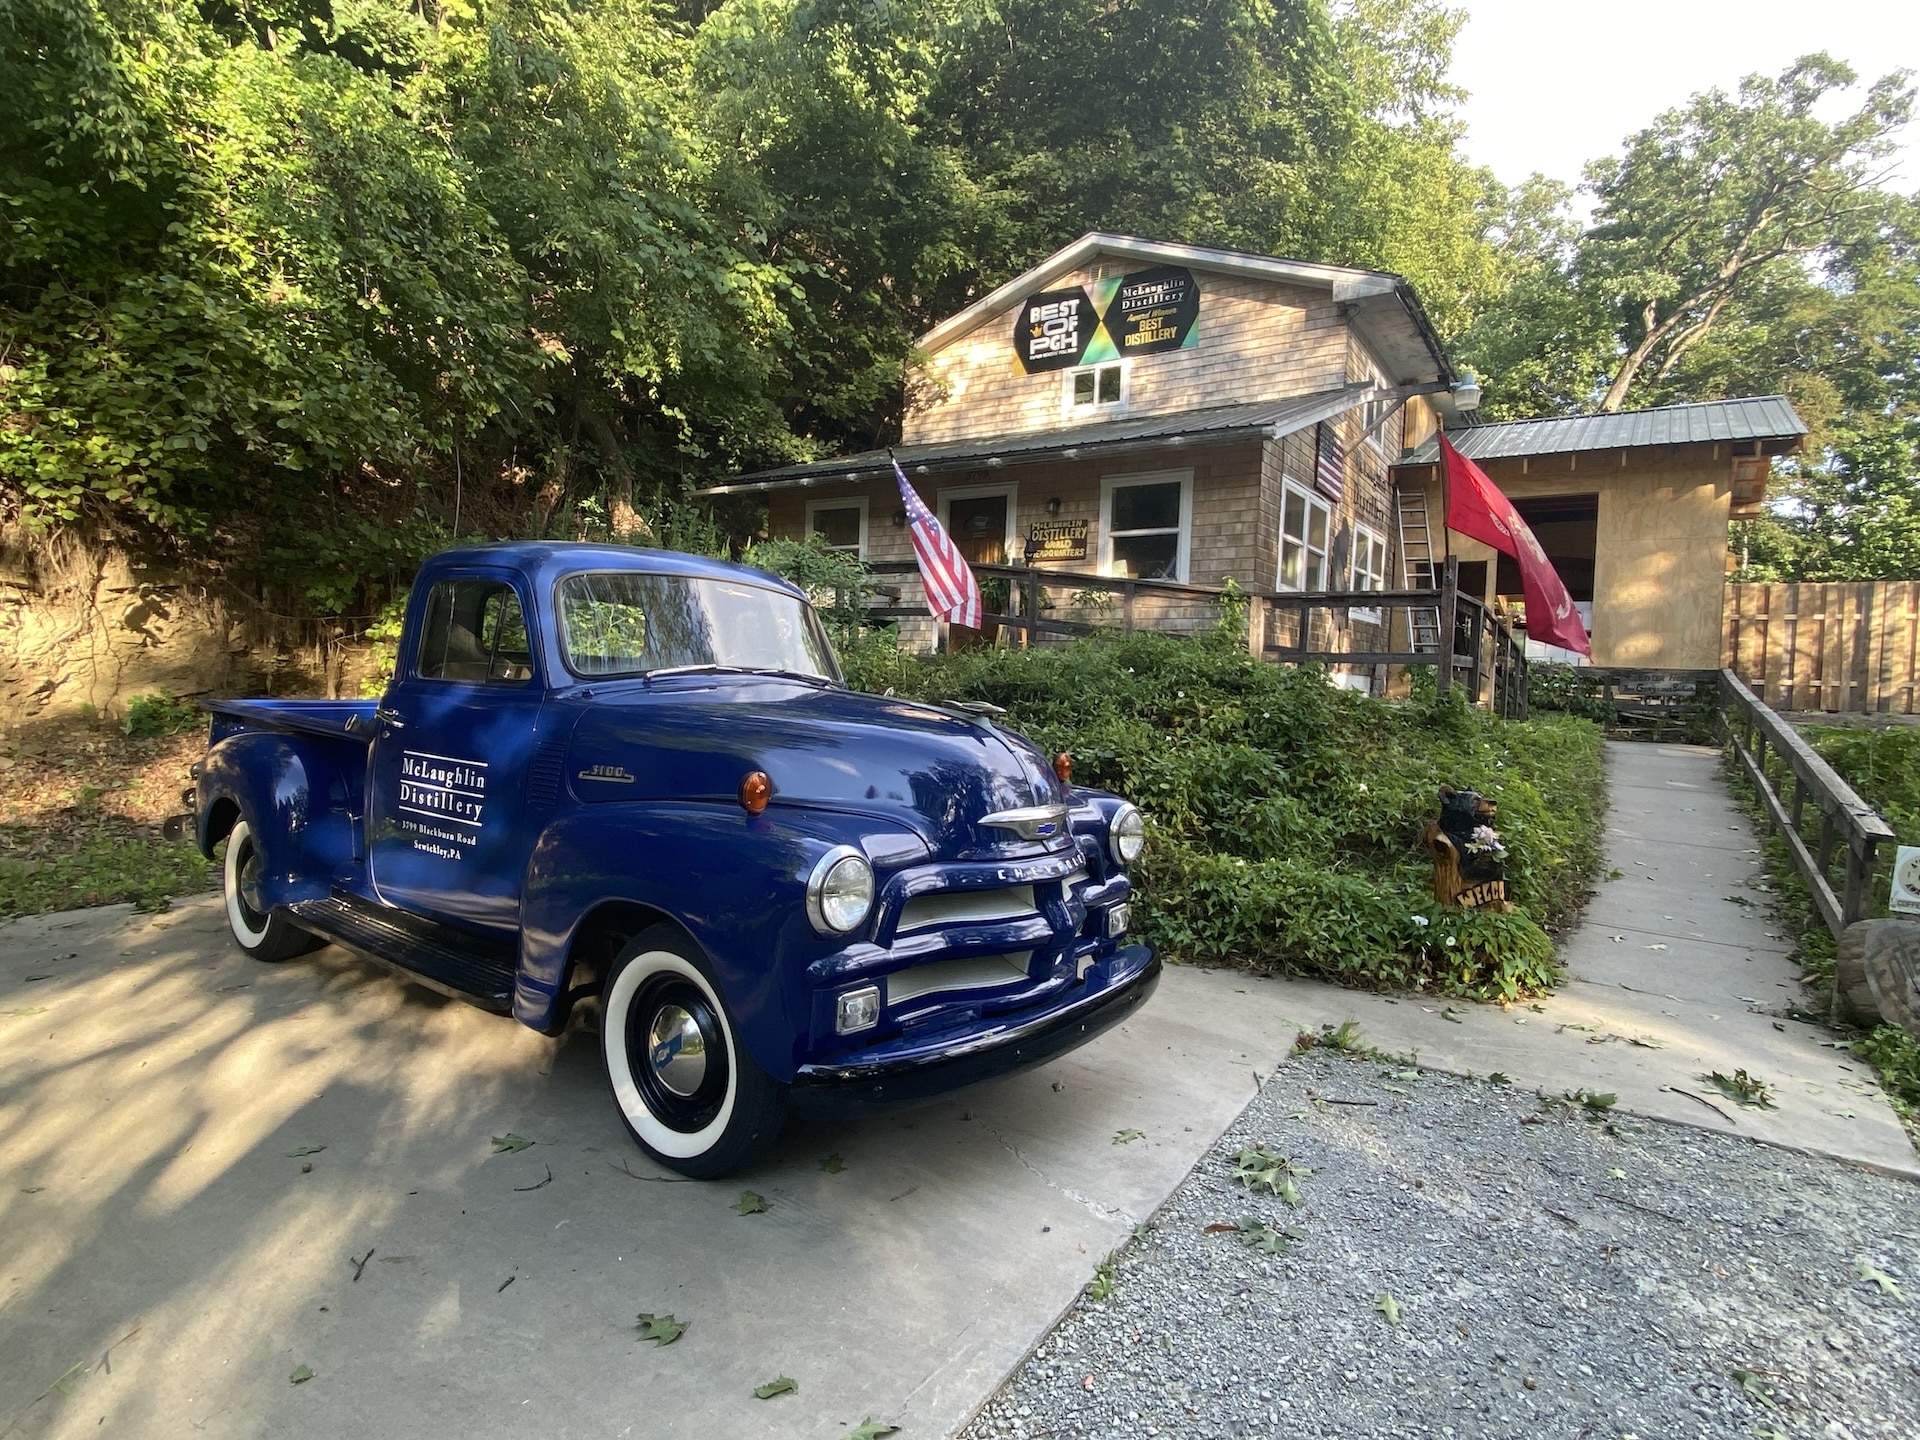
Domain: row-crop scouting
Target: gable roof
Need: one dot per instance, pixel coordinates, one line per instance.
(1385, 308)
(1268, 419)
(1768, 417)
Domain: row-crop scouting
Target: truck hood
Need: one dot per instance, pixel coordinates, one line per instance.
(931, 770)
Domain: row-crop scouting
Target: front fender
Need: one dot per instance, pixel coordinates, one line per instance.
(735, 882)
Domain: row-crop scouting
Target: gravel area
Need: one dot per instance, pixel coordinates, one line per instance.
(1556, 1272)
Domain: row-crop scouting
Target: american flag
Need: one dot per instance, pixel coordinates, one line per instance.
(953, 594)
(1329, 469)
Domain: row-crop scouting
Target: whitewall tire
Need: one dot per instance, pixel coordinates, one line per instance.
(263, 932)
(687, 1090)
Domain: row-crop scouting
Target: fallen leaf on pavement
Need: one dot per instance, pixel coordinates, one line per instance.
(1389, 1307)
(870, 1429)
(301, 1374)
(785, 1385)
(660, 1329)
(1127, 1137)
(1867, 1270)
(749, 1204)
(833, 1164)
(509, 1142)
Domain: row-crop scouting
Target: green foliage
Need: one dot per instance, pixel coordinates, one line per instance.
(835, 580)
(161, 713)
(1883, 766)
(1896, 1055)
(104, 869)
(1285, 815)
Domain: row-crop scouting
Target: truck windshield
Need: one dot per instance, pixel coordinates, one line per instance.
(622, 623)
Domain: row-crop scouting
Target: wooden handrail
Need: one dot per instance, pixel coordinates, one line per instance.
(1843, 815)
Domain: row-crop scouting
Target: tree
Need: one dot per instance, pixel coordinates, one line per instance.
(1710, 199)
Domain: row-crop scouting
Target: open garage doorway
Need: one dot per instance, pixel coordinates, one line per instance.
(1568, 528)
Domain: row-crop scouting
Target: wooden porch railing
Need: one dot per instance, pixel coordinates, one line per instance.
(1846, 823)
(1487, 657)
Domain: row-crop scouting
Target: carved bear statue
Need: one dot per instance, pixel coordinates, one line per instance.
(1469, 858)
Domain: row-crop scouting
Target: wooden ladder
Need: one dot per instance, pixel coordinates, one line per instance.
(1416, 560)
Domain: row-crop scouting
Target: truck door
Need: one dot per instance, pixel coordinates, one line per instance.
(452, 737)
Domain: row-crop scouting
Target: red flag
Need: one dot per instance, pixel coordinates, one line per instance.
(953, 594)
(1476, 507)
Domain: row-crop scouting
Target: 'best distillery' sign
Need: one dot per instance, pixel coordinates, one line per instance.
(1145, 313)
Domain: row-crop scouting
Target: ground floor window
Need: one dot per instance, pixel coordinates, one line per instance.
(840, 524)
(1305, 522)
(1369, 569)
(1145, 521)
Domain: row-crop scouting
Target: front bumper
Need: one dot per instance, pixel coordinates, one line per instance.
(908, 1073)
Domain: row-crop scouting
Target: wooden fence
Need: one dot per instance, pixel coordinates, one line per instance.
(1827, 647)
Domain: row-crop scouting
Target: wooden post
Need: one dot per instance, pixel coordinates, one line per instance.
(1257, 626)
(1449, 605)
(1032, 604)
(1476, 633)
(1126, 606)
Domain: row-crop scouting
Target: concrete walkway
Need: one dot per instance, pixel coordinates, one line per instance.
(1676, 972)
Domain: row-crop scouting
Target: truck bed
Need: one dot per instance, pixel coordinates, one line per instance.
(326, 718)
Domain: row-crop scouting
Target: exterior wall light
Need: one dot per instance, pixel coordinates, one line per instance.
(1053, 505)
(1466, 391)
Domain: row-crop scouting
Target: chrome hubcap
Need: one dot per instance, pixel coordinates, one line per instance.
(676, 1050)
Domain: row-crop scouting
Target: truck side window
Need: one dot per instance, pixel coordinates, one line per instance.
(475, 633)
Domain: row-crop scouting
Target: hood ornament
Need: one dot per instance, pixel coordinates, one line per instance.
(1034, 822)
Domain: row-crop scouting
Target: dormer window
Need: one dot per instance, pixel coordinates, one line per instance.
(1096, 387)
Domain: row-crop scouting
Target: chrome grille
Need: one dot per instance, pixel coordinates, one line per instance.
(963, 907)
(969, 972)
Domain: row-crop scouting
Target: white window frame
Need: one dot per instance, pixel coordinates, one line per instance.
(1367, 536)
(974, 492)
(851, 502)
(1313, 498)
(1183, 553)
(1111, 407)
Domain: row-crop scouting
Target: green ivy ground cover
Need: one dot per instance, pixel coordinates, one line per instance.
(1286, 815)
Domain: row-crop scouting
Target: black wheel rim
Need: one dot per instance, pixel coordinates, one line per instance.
(246, 884)
(662, 999)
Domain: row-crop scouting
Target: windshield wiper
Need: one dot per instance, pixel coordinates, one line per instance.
(711, 668)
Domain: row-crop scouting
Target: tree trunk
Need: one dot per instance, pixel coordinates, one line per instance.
(621, 514)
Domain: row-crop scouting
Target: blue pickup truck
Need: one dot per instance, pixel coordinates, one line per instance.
(636, 778)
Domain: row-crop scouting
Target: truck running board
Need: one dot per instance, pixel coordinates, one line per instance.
(455, 962)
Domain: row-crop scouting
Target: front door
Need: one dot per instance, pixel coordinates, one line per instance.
(452, 738)
(977, 525)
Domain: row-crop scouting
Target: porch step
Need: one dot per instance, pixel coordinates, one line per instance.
(1416, 559)
(459, 963)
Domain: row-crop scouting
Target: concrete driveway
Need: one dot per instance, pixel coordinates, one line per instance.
(167, 1259)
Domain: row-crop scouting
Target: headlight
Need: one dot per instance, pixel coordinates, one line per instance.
(840, 891)
(1127, 835)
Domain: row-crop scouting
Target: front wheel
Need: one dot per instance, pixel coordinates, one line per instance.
(263, 933)
(687, 1089)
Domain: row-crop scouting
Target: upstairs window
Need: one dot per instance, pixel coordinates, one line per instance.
(1096, 387)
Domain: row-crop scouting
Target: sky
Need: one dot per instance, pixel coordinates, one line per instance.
(1551, 84)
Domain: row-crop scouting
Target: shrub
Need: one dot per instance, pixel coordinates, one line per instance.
(1286, 815)
(161, 713)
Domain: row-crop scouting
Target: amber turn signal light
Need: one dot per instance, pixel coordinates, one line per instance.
(755, 791)
(1063, 767)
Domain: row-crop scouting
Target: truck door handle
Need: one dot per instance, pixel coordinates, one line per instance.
(390, 718)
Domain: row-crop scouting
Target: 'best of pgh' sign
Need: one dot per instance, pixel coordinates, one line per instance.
(1145, 313)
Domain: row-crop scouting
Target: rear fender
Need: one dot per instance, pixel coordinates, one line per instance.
(296, 800)
(735, 883)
